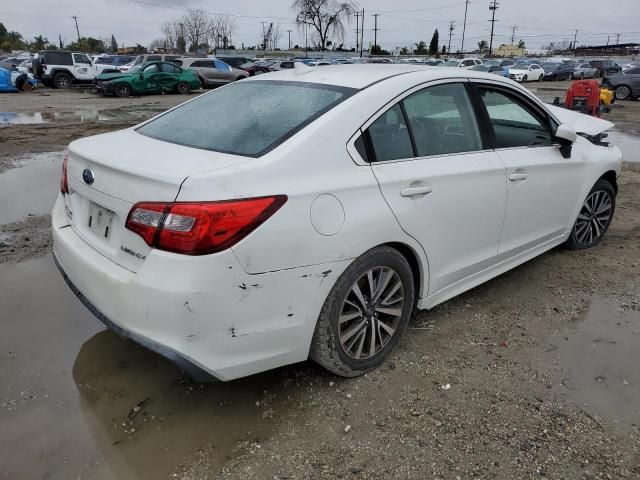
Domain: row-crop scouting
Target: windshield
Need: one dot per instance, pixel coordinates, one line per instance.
(450, 63)
(520, 66)
(246, 118)
(481, 68)
(550, 66)
(492, 62)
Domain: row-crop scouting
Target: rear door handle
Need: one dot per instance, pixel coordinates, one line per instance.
(518, 177)
(415, 191)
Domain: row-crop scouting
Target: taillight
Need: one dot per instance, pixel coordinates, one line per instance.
(198, 228)
(64, 185)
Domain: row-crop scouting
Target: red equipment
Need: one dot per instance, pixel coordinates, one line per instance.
(584, 96)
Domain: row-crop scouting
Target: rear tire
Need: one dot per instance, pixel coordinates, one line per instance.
(62, 80)
(623, 92)
(360, 324)
(122, 90)
(540, 78)
(594, 217)
(183, 88)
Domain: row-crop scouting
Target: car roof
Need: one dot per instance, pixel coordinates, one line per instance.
(362, 75)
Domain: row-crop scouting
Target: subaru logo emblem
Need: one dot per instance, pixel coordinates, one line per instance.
(87, 176)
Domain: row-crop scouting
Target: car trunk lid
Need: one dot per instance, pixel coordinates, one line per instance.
(107, 174)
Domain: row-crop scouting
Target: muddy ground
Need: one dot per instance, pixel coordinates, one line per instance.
(531, 375)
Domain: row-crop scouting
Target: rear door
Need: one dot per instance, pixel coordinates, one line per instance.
(445, 188)
(543, 188)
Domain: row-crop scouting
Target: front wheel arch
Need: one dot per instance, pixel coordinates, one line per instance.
(611, 177)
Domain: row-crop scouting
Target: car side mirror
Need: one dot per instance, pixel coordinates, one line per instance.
(566, 136)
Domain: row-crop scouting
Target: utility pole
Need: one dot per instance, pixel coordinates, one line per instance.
(617, 38)
(362, 34)
(264, 36)
(575, 38)
(608, 37)
(464, 25)
(184, 42)
(77, 31)
(375, 31)
(493, 6)
(451, 29)
(289, 32)
(513, 33)
(357, 15)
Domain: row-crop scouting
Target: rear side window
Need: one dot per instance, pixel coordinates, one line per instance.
(269, 113)
(221, 66)
(442, 120)
(390, 138)
(58, 58)
(515, 124)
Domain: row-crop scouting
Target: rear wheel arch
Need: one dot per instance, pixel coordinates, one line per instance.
(417, 269)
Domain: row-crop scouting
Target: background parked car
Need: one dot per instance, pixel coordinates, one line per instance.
(584, 70)
(557, 71)
(108, 64)
(522, 72)
(211, 71)
(489, 68)
(246, 64)
(626, 84)
(154, 57)
(62, 69)
(605, 67)
(463, 63)
(151, 77)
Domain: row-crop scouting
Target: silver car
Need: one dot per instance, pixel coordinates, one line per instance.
(584, 70)
(211, 71)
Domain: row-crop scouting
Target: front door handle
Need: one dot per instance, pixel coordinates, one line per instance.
(518, 177)
(415, 191)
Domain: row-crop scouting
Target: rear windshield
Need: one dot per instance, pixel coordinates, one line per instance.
(246, 118)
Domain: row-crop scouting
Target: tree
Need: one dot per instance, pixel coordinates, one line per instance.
(444, 49)
(433, 45)
(196, 26)
(482, 46)
(172, 31)
(114, 44)
(378, 50)
(405, 51)
(521, 44)
(221, 29)
(38, 43)
(326, 18)
(421, 48)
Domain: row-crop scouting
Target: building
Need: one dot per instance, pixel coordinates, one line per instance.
(509, 51)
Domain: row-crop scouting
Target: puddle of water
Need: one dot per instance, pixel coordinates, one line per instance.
(32, 188)
(78, 402)
(600, 364)
(13, 118)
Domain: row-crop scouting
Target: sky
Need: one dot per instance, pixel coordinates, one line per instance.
(400, 22)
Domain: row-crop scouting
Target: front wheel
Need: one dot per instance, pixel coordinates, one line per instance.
(122, 90)
(524, 79)
(365, 313)
(183, 88)
(623, 92)
(594, 218)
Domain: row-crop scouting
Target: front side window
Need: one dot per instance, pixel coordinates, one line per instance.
(80, 58)
(271, 112)
(390, 137)
(442, 120)
(151, 69)
(515, 124)
(221, 66)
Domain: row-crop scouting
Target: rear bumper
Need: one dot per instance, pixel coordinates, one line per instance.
(204, 311)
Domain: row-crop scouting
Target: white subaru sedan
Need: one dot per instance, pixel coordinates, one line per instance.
(306, 213)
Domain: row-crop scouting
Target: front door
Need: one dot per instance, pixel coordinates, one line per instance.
(147, 79)
(444, 188)
(82, 67)
(543, 188)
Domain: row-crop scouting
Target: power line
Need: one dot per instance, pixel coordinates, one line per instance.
(493, 6)
(464, 26)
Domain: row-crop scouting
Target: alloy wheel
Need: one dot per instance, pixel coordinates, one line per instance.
(594, 218)
(623, 92)
(371, 313)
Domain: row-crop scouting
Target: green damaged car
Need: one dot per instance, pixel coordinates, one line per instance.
(152, 77)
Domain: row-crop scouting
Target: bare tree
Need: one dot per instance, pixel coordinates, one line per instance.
(196, 26)
(171, 31)
(276, 34)
(159, 43)
(326, 18)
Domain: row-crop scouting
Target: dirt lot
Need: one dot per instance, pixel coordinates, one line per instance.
(532, 375)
